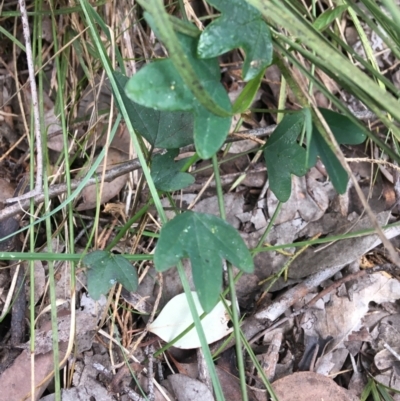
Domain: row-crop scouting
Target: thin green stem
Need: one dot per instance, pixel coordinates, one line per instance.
(183, 10)
(200, 332)
(332, 238)
(52, 283)
(270, 225)
(167, 34)
(237, 333)
(235, 316)
(51, 257)
(128, 225)
(260, 370)
(218, 186)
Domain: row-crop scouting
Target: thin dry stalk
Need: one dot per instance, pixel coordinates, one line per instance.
(35, 105)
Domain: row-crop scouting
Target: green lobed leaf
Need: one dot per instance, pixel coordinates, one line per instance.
(105, 269)
(159, 20)
(284, 156)
(162, 129)
(346, 133)
(166, 172)
(240, 25)
(328, 16)
(337, 173)
(210, 131)
(205, 239)
(160, 86)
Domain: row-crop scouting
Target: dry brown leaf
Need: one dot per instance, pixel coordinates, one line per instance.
(6, 190)
(85, 330)
(306, 386)
(187, 389)
(13, 388)
(15, 381)
(342, 316)
(309, 199)
(231, 386)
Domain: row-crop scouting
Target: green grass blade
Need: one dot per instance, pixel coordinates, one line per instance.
(336, 63)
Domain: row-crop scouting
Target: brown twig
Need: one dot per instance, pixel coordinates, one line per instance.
(290, 297)
(387, 267)
(59, 189)
(109, 175)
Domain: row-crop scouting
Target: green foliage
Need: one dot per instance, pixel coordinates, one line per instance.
(105, 269)
(284, 156)
(166, 172)
(247, 95)
(328, 16)
(377, 391)
(205, 239)
(240, 25)
(162, 129)
(159, 86)
(346, 133)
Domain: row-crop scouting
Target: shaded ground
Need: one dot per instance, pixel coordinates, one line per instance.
(326, 308)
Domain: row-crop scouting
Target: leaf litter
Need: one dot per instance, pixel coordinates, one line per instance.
(347, 327)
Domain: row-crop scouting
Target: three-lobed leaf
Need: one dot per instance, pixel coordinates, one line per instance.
(166, 172)
(284, 156)
(205, 239)
(159, 86)
(105, 269)
(346, 133)
(240, 25)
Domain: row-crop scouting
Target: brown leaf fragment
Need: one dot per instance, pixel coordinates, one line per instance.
(187, 389)
(85, 330)
(231, 386)
(306, 386)
(6, 190)
(309, 200)
(15, 381)
(270, 358)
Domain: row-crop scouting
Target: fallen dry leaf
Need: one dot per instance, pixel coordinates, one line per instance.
(307, 386)
(15, 381)
(187, 389)
(309, 199)
(6, 190)
(342, 316)
(14, 388)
